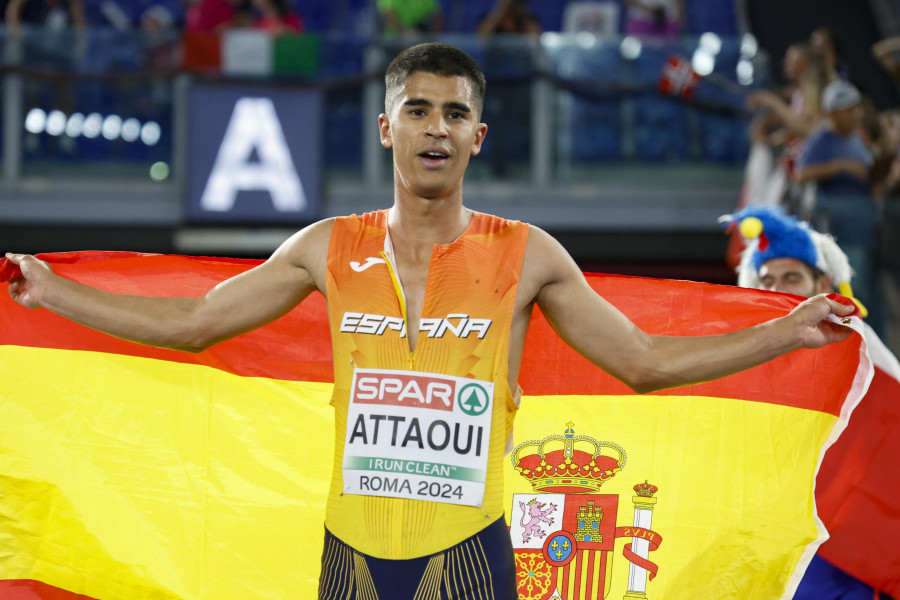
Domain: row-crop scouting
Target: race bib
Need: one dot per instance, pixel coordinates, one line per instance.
(419, 436)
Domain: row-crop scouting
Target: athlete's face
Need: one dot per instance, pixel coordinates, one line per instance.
(792, 276)
(433, 128)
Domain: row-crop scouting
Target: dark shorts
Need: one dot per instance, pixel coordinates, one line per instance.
(481, 566)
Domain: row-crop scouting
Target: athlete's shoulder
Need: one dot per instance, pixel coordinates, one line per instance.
(545, 258)
(375, 218)
(540, 240)
(488, 223)
(309, 242)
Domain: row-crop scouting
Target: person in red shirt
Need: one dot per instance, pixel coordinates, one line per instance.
(277, 17)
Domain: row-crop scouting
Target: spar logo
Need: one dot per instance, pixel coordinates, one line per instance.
(399, 388)
(473, 399)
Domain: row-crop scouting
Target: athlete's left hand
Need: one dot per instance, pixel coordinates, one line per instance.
(814, 328)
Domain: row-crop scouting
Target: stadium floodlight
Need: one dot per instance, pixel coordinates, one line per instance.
(92, 125)
(35, 120)
(150, 133)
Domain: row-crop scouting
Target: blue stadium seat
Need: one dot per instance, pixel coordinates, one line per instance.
(596, 132)
(594, 74)
(317, 16)
(452, 12)
(343, 124)
(728, 57)
(717, 16)
(472, 13)
(660, 128)
(646, 69)
(596, 143)
(599, 63)
(341, 56)
(110, 50)
(717, 138)
(549, 13)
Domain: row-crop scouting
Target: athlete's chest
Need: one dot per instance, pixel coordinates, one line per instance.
(412, 273)
(452, 303)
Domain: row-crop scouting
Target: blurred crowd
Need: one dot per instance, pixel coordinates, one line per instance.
(821, 150)
(59, 15)
(819, 146)
(392, 17)
(277, 16)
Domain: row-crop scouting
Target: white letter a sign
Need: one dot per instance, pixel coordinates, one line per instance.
(254, 126)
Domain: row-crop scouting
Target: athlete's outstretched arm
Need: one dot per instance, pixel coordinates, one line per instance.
(646, 363)
(235, 306)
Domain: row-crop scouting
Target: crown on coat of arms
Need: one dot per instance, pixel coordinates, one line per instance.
(645, 489)
(568, 463)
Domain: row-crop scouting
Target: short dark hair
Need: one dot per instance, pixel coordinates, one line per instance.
(432, 57)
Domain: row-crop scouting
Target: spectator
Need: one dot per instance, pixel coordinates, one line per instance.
(807, 73)
(882, 142)
(55, 15)
(854, 563)
(244, 15)
(156, 19)
(661, 18)
(59, 46)
(836, 159)
(508, 108)
(827, 42)
(891, 141)
(509, 17)
(277, 17)
(785, 118)
(160, 50)
(206, 16)
(410, 16)
(887, 52)
(835, 156)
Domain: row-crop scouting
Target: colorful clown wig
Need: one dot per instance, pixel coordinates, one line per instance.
(769, 233)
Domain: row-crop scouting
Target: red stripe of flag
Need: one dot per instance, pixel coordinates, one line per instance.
(304, 343)
(302, 356)
(589, 590)
(662, 306)
(579, 567)
(29, 589)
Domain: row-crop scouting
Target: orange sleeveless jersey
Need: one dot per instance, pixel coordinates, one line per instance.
(477, 275)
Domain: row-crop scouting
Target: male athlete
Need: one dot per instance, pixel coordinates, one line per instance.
(855, 563)
(393, 280)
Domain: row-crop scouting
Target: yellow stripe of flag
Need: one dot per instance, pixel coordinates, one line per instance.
(130, 478)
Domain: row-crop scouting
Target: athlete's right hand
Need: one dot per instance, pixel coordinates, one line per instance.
(27, 288)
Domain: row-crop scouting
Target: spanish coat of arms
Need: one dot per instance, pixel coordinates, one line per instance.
(564, 533)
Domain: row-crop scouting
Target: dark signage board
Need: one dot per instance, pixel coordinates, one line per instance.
(254, 155)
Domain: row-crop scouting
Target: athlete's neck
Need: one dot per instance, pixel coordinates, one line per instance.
(422, 223)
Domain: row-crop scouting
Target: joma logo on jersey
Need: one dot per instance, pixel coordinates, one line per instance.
(457, 324)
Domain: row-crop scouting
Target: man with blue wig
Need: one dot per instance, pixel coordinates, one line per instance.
(860, 560)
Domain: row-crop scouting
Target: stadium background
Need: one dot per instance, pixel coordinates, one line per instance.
(109, 133)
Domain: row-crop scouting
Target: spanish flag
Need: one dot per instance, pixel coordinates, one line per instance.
(129, 472)
(854, 488)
